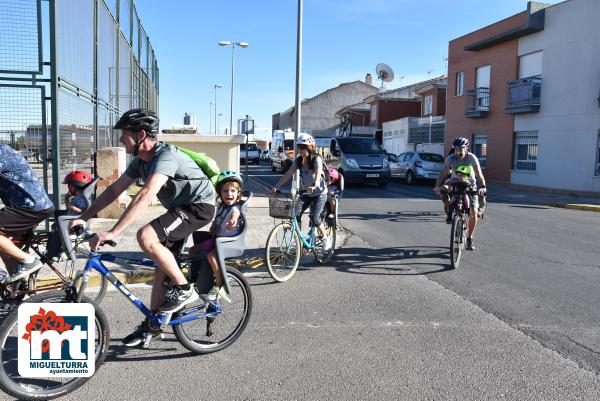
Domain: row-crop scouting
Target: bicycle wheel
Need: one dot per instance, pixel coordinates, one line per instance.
(456, 241)
(282, 252)
(321, 255)
(211, 334)
(96, 286)
(44, 388)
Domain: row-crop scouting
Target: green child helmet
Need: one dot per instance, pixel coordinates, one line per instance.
(466, 170)
(229, 176)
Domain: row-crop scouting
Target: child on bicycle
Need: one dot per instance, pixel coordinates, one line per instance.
(75, 203)
(227, 223)
(462, 175)
(312, 184)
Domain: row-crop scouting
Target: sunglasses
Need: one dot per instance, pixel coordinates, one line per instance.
(301, 146)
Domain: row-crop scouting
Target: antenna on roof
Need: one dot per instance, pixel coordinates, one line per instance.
(384, 73)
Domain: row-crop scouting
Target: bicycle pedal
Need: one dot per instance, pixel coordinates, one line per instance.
(166, 320)
(147, 340)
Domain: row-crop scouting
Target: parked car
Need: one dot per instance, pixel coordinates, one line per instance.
(253, 153)
(394, 165)
(413, 166)
(359, 159)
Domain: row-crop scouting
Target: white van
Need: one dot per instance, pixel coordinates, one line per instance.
(282, 150)
(253, 153)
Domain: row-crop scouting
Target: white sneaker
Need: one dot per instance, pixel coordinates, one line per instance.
(326, 243)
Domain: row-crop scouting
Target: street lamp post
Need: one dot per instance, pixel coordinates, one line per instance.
(218, 120)
(216, 86)
(233, 45)
(210, 119)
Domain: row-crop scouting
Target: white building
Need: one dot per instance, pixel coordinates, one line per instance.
(559, 146)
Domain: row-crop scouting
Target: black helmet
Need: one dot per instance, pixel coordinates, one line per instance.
(460, 143)
(138, 119)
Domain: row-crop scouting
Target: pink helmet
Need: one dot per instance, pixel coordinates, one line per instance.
(333, 174)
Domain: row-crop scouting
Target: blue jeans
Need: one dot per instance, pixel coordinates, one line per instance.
(316, 204)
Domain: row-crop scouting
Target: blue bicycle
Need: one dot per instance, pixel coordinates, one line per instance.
(201, 327)
(286, 241)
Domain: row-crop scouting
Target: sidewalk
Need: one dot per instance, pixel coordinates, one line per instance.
(259, 227)
(555, 198)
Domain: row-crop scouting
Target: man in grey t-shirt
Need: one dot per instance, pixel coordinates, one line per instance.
(182, 188)
(462, 157)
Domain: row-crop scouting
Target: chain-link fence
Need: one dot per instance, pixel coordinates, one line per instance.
(83, 62)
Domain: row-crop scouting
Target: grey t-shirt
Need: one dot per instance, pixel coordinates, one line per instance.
(187, 183)
(308, 176)
(469, 160)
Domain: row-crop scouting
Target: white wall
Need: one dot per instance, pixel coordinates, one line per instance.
(398, 141)
(569, 116)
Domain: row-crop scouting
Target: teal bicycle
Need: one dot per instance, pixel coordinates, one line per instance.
(286, 242)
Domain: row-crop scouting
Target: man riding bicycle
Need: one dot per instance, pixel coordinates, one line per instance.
(26, 205)
(462, 157)
(182, 188)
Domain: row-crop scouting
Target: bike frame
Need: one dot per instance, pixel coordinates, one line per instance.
(160, 319)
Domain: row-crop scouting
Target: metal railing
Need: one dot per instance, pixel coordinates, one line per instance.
(524, 94)
(477, 102)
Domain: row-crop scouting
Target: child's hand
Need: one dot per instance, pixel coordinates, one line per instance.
(233, 220)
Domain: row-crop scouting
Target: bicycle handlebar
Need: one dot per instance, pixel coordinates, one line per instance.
(80, 232)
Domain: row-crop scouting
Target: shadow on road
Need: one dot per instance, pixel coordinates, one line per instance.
(392, 261)
(404, 216)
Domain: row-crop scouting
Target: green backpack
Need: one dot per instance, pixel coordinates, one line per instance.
(208, 165)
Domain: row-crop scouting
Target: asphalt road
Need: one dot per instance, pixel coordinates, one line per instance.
(388, 321)
(535, 268)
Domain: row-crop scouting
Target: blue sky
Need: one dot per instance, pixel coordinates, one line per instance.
(343, 41)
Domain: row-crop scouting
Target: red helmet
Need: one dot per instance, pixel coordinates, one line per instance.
(78, 178)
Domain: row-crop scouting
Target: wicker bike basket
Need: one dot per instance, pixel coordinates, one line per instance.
(281, 205)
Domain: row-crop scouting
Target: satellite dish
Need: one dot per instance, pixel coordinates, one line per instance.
(384, 73)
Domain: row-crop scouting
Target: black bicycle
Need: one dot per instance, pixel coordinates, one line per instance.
(460, 206)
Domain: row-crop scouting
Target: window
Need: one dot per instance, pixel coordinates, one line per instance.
(480, 148)
(598, 155)
(526, 150)
(460, 82)
(428, 105)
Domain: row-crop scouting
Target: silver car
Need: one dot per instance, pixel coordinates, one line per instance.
(413, 166)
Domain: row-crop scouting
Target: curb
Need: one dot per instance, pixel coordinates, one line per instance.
(589, 208)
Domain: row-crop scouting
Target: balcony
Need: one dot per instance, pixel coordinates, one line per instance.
(477, 103)
(524, 95)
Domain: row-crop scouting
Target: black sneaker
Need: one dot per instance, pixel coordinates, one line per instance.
(470, 245)
(449, 218)
(139, 334)
(176, 298)
(24, 269)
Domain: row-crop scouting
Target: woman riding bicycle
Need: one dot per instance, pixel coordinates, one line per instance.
(312, 184)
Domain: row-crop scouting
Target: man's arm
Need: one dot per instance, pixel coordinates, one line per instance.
(480, 179)
(140, 202)
(445, 171)
(108, 196)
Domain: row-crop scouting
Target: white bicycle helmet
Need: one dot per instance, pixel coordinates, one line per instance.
(306, 139)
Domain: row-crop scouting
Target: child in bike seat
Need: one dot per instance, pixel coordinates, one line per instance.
(227, 223)
(333, 189)
(75, 203)
(462, 176)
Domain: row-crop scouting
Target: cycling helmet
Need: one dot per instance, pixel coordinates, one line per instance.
(78, 179)
(306, 139)
(466, 170)
(138, 119)
(460, 143)
(229, 176)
